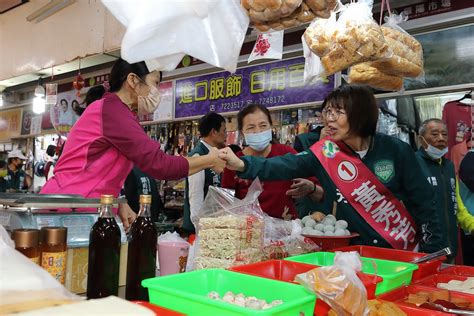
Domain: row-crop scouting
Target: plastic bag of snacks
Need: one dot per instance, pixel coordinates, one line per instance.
(354, 38)
(367, 74)
(284, 239)
(269, 10)
(407, 57)
(338, 285)
(229, 231)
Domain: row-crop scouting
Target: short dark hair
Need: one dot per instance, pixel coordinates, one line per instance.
(422, 130)
(121, 69)
(360, 106)
(93, 94)
(51, 150)
(252, 108)
(61, 102)
(210, 121)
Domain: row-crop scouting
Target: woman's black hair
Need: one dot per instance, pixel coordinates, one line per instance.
(252, 108)
(360, 106)
(93, 94)
(122, 69)
(61, 102)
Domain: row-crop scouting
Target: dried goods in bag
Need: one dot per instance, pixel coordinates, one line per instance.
(407, 58)
(366, 74)
(300, 16)
(269, 10)
(338, 285)
(229, 231)
(354, 38)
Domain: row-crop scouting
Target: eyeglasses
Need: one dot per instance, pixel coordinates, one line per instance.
(332, 114)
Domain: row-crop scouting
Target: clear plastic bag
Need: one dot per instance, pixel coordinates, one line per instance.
(162, 32)
(22, 281)
(338, 285)
(407, 58)
(367, 74)
(229, 231)
(269, 10)
(354, 38)
(284, 239)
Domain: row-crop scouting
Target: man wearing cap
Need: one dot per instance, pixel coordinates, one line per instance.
(17, 180)
(465, 198)
(440, 174)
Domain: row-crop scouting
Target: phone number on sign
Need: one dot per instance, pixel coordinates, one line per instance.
(271, 100)
(238, 105)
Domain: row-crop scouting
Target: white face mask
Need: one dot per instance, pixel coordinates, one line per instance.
(259, 141)
(434, 152)
(148, 104)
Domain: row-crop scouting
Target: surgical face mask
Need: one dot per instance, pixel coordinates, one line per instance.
(434, 152)
(148, 104)
(3, 173)
(259, 141)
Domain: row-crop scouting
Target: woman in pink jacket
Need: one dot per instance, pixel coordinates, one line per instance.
(107, 141)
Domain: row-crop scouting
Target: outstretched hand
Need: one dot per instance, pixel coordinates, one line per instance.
(300, 188)
(233, 162)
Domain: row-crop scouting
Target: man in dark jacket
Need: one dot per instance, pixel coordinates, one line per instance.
(212, 128)
(440, 174)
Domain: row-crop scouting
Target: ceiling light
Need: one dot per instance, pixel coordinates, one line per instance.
(39, 90)
(49, 9)
(39, 105)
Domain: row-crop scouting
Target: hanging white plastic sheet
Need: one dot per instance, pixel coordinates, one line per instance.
(161, 32)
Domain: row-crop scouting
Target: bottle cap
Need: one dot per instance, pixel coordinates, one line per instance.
(107, 199)
(54, 235)
(145, 199)
(25, 238)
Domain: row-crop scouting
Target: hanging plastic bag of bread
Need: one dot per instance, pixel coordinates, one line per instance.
(284, 239)
(229, 231)
(162, 32)
(355, 38)
(367, 74)
(407, 57)
(306, 12)
(338, 285)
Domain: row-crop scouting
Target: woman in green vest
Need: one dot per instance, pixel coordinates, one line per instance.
(375, 180)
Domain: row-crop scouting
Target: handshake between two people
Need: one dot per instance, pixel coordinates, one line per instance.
(225, 158)
(300, 187)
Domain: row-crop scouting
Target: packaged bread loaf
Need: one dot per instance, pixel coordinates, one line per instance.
(407, 58)
(321, 8)
(355, 38)
(300, 16)
(269, 10)
(365, 74)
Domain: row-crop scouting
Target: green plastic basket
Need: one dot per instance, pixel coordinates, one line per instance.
(187, 293)
(394, 274)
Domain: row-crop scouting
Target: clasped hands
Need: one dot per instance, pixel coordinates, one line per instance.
(225, 158)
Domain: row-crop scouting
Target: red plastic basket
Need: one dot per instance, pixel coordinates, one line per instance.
(424, 269)
(433, 281)
(459, 270)
(332, 242)
(286, 271)
(399, 295)
(158, 310)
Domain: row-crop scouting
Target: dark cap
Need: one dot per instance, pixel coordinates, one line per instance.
(466, 170)
(25, 238)
(54, 235)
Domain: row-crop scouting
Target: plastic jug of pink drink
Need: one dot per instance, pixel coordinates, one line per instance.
(172, 254)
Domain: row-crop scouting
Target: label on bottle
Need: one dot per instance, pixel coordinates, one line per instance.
(35, 260)
(55, 264)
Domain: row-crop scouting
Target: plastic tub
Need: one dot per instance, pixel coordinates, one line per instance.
(327, 243)
(424, 269)
(459, 270)
(159, 311)
(399, 296)
(187, 293)
(286, 271)
(393, 273)
(441, 278)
